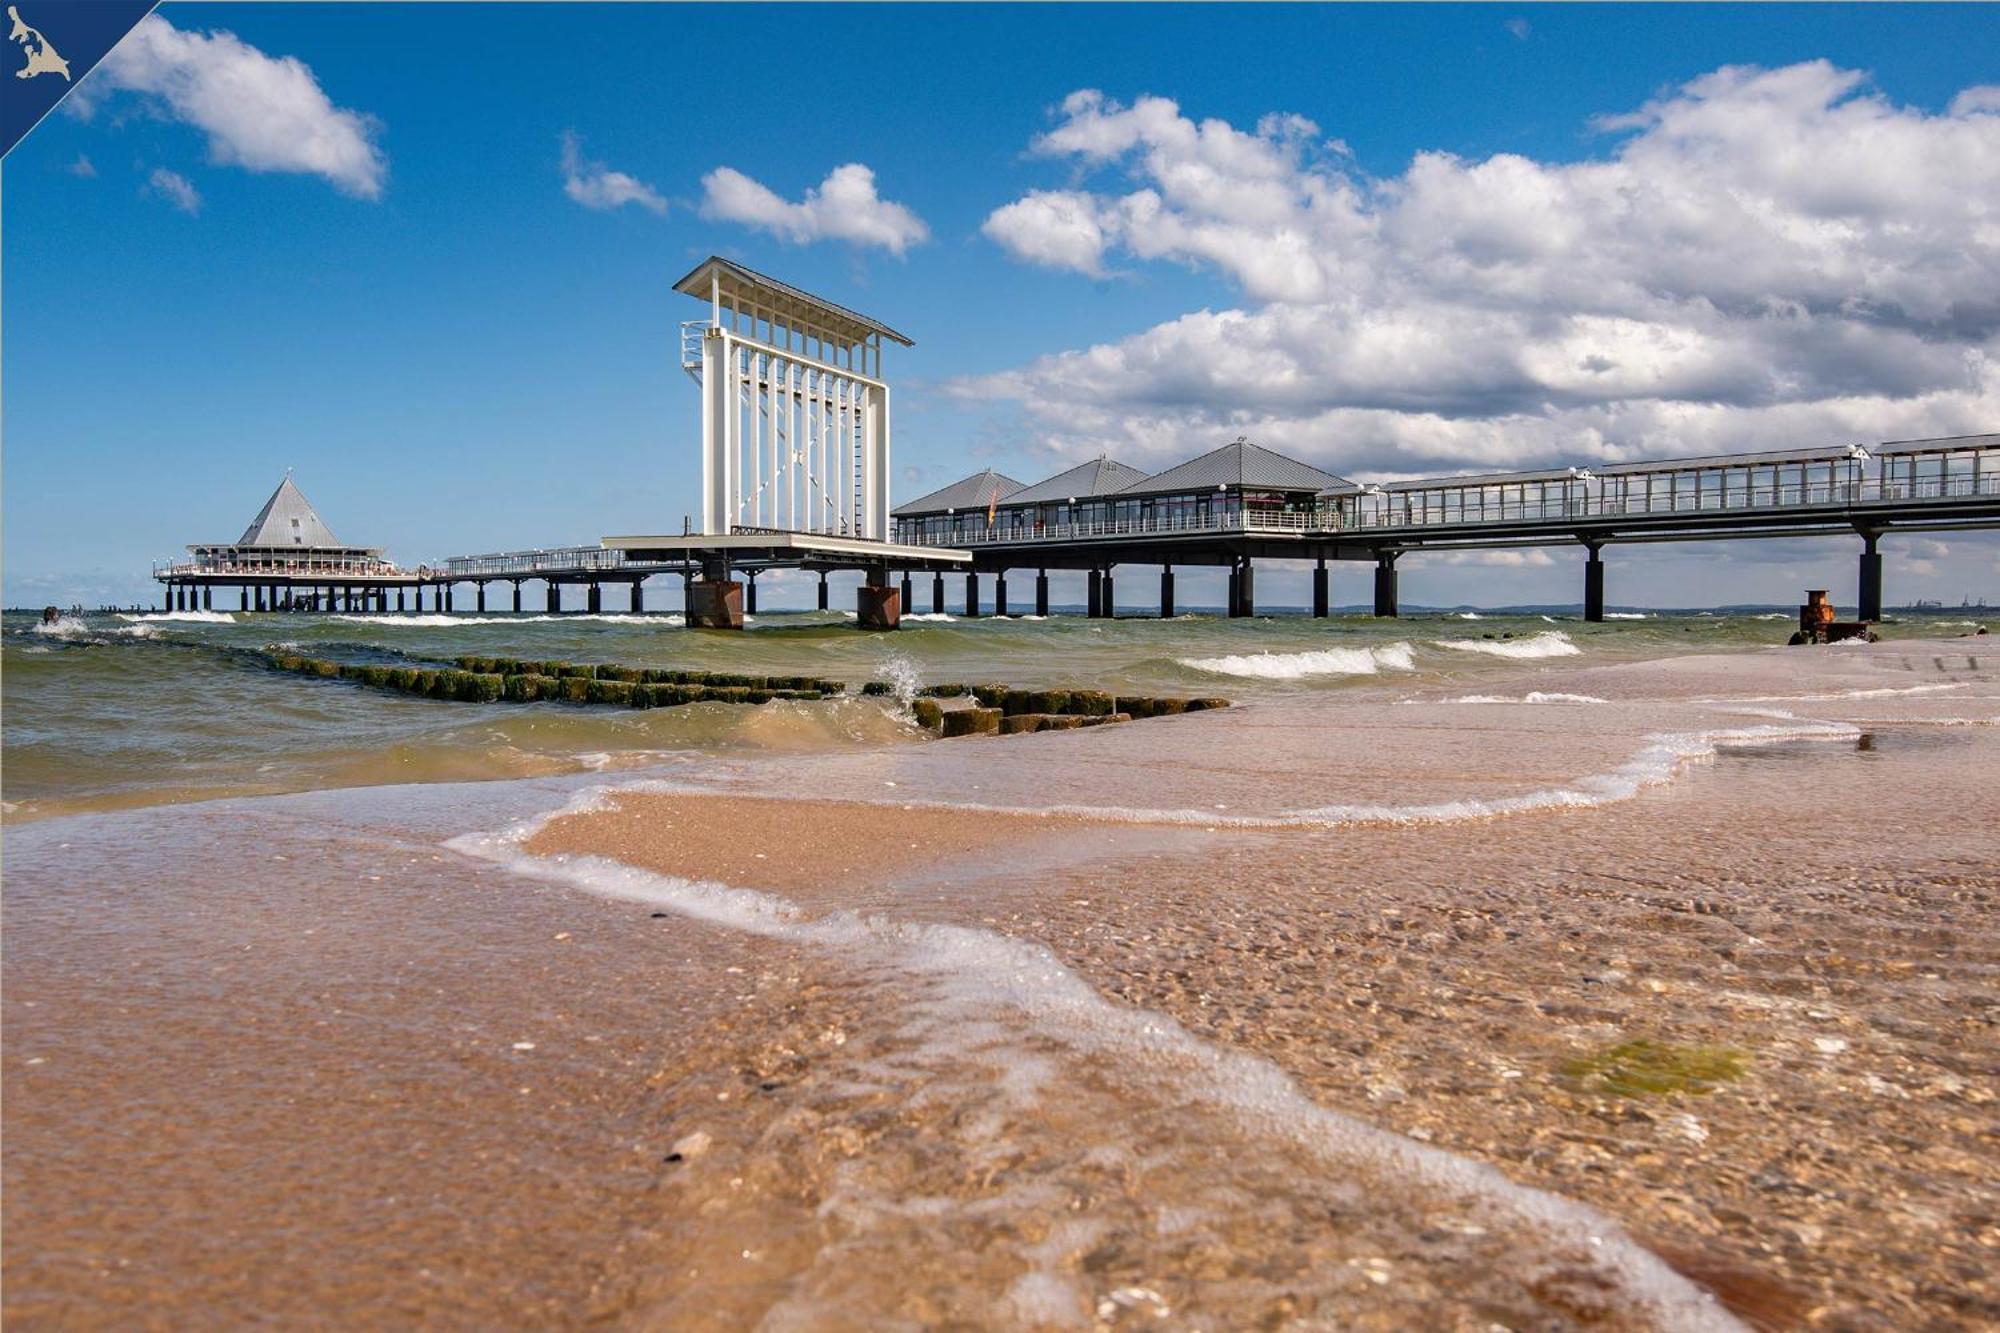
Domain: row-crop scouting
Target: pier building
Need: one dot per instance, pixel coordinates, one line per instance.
(795, 450)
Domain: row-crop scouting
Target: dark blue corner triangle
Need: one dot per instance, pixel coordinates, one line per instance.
(51, 45)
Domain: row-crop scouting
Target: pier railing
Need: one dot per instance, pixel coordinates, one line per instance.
(1001, 532)
(1390, 511)
(530, 564)
(302, 568)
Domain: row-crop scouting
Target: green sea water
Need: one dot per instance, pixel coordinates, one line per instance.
(107, 711)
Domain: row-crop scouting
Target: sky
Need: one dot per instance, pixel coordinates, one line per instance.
(423, 255)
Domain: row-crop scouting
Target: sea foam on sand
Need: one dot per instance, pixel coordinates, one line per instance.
(970, 979)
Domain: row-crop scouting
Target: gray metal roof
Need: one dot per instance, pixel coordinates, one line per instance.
(1479, 479)
(1838, 453)
(1100, 476)
(288, 519)
(1946, 444)
(1238, 463)
(974, 492)
(783, 294)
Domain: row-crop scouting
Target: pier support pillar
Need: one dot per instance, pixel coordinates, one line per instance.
(971, 594)
(1246, 589)
(1107, 602)
(1870, 598)
(909, 592)
(594, 599)
(638, 597)
(687, 599)
(260, 597)
(243, 599)
(1385, 584)
(823, 603)
(1094, 600)
(1322, 598)
(937, 592)
(1000, 593)
(1593, 584)
(750, 595)
(1166, 592)
(208, 599)
(399, 599)
(878, 604)
(447, 599)
(1042, 593)
(479, 596)
(715, 604)
(517, 596)
(554, 599)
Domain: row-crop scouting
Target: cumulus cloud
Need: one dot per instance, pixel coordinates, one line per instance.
(1757, 258)
(175, 188)
(843, 207)
(261, 113)
(595, 185)
(83, 167)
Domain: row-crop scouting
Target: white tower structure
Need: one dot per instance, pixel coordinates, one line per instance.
(794, 410)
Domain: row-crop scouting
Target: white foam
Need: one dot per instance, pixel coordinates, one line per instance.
(1315, 662)
(968, 978)
(1531, 697)
(194, 617)
(1549, 643)
(1468, 615)
(1628, 615)
(930, 615)
(436, 620)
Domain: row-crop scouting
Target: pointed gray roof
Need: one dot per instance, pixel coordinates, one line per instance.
(973, 492)
(287, 519)
(1100, 476)
(1238, 463)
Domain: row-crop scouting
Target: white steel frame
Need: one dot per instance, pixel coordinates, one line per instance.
(794, 417)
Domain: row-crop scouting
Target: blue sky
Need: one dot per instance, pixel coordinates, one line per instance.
(458, 354)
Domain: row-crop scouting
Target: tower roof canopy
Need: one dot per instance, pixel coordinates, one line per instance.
(287, 519)
(1100, 476)
(974, 492)
(1238, 464)
(743, 288)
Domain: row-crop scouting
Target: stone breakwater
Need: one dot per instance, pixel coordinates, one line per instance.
(990, 709)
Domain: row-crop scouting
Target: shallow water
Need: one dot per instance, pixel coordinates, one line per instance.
(1281, 1052)
(113, 711)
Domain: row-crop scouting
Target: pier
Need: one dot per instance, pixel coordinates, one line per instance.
(795, 474)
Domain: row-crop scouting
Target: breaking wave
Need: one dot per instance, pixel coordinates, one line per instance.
(1531, 697)
(196, 617)
(1315, 662)
(1549, 643)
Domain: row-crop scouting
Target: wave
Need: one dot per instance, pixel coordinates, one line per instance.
(1468, 615)
(1531, 697)
(1628, 615)
(193, 617)
(964, 979)
(1315, 662)
(1549, 643)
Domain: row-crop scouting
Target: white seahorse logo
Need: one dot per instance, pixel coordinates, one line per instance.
(42, 58)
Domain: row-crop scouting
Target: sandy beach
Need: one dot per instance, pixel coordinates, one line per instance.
(1662, 1000)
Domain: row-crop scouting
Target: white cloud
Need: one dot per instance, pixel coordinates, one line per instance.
(259, 112)
(595, 185)
(175, 188)
(843, 207)
(83, 167)
(1760, 257)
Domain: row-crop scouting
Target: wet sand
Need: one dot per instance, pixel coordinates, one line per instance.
(1014, 1075)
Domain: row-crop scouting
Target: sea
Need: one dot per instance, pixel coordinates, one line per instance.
(108, 711)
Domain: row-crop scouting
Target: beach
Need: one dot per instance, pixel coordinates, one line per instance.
(1539, 981)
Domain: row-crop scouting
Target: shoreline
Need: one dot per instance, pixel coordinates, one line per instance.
(1432, 981)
